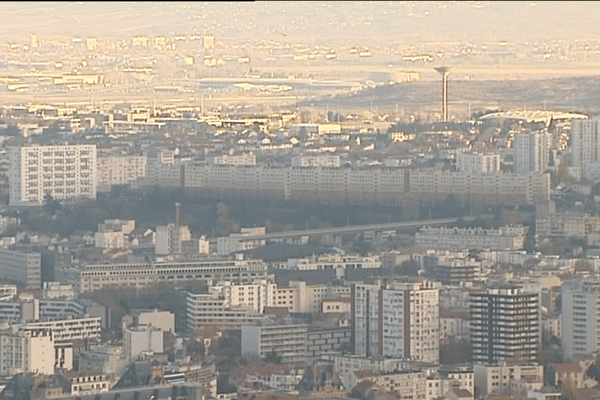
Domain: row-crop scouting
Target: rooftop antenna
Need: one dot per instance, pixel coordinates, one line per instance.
(444, 71)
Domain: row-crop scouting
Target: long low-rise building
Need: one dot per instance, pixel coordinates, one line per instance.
(365, 185)
(67, 330)
(148, 274)
(503, 238)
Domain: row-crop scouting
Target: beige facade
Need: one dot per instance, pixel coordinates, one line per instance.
(101, 276)
(497, 379)
(26, 352)
(405, 385)
(120, 170)
(367, 185)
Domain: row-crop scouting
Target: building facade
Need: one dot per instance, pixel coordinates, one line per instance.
(64, 172)
(22, 268)
(477, 162)
(503, 238)
(123, 170)
(26, 352)
(580, 302)
(142, 275)
(396, 319)
(505, 325)
(286, 339)
(530, 152)
(585, 146)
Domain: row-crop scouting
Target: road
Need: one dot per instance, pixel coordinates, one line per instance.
(358, 228)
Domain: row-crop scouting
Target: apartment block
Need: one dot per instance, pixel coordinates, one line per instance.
(396, 319)
(120, 170)
(64, 172)
(566, 224)
(580, 323)
(24, 351)
(141, 338)
(67, 330)
(585, 147)
(477, 162)
(22, 268)
(366, 185)
(531, 152)
(204, 309)
(142, 275)
(256, 295)
(505, 324)
(496, 379)
(286, 339)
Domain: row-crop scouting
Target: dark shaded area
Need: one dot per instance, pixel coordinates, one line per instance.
(455, 352)
(281, 252)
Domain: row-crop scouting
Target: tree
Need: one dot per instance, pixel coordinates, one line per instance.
(51, 205)
(272, 358)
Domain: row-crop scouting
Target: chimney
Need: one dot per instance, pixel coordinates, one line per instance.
(177, 214)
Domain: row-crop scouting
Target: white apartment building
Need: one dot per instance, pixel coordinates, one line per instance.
(585, 147)
(204, 309)
(287, 340)
(22, 268)
(580, 317)
(141, 338)
(120, 170)
(396, 319)
(26, 352)
(337, 262)
(301, 297)
(503, 238)
(531, 152)
(477, 162)
(142, 275)
(505, 324)
(64, 172)
(256, 295)
(67, 330)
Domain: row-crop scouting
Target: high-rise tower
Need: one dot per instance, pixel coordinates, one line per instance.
(505, 324)
(444, 71)
(396, 319)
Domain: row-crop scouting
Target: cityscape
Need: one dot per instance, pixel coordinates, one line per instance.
(300, 200)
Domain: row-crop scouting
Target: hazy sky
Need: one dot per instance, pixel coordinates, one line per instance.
(319, 22)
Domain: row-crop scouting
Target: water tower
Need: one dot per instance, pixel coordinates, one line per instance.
(444, 71)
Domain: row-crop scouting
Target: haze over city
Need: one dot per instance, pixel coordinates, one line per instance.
(300, 200)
